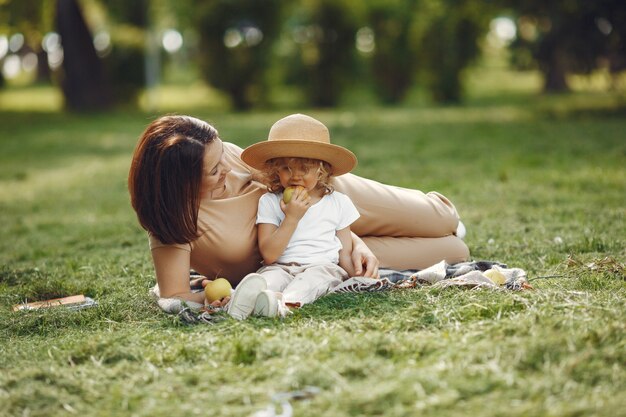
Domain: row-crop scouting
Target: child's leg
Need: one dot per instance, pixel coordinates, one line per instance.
(311, 282)
(415, 252)
(387, 210)
(276, 276)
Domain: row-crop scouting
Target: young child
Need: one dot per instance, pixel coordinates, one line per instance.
(305, 240)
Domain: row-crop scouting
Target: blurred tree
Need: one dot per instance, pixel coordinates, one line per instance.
(33, 20)
(613, 25)
(393, 60)
(83, 83)
(565, 36)
(236, 39)
(325, 59)
(133, 12)
(125, 62)
(450, 43)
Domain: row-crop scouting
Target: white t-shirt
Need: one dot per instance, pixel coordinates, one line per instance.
(315, 239)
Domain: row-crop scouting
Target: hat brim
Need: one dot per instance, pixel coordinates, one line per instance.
(341, 159)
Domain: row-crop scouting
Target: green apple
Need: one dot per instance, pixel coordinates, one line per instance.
(496, 276)
(217, 289)
(288, 193)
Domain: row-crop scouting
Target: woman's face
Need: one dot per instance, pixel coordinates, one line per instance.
(215, 168)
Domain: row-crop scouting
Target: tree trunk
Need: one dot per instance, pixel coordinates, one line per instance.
(84, 85)
(44, 74)
(554, 72)
(240, 99)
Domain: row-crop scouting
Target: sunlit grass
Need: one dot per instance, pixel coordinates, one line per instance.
(182, 98)
(599, 81)
(31, 99)
(539, 182)
(38, 183)
(497, 81)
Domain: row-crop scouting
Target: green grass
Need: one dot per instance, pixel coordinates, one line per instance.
(540, 183)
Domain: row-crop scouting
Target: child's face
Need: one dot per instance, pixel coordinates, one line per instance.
(293, 173)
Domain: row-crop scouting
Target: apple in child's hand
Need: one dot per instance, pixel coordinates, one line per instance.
(288, 193)
(217, 289)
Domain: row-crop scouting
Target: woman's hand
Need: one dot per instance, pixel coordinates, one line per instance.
(217, 303)
(220, 303)
(362, 256)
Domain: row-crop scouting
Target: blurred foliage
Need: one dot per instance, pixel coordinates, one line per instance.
(249, 49)
(393, 59)
(564, 36)
(450, 44)
(135, 13)
(324, 61)
(436, 39)
(126, 60)
(125, 65)
(31, 18)
(236, 39)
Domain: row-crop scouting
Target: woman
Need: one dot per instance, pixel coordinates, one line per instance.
(198, 201)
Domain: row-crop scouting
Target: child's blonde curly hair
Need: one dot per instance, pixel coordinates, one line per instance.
(271, 180)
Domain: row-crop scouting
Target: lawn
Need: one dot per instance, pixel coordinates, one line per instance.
(540, 183)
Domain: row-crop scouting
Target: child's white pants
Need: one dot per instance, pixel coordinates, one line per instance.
(302, 284)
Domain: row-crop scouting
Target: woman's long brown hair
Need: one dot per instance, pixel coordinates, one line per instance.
(166, 174)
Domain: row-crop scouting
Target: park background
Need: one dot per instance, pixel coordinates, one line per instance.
(513, 109)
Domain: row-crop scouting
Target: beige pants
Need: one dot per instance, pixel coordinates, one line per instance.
(302, 284)
(406, 229)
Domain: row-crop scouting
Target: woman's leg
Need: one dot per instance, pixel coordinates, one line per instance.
(416, 253)
(387, 210)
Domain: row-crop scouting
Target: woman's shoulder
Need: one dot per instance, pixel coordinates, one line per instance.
(242, 178)
(232, 149)
(232, 153)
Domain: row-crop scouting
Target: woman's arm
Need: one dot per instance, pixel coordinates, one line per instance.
(172, 273)
(362, 256)
(345, 259)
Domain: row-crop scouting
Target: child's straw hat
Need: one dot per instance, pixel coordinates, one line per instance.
(300, 136)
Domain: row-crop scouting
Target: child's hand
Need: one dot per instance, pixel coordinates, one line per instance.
(299, 204)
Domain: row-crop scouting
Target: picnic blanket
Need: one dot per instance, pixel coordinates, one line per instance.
(471, 275)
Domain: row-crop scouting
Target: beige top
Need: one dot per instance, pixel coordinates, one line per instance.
(406, 229)
(227, 246)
